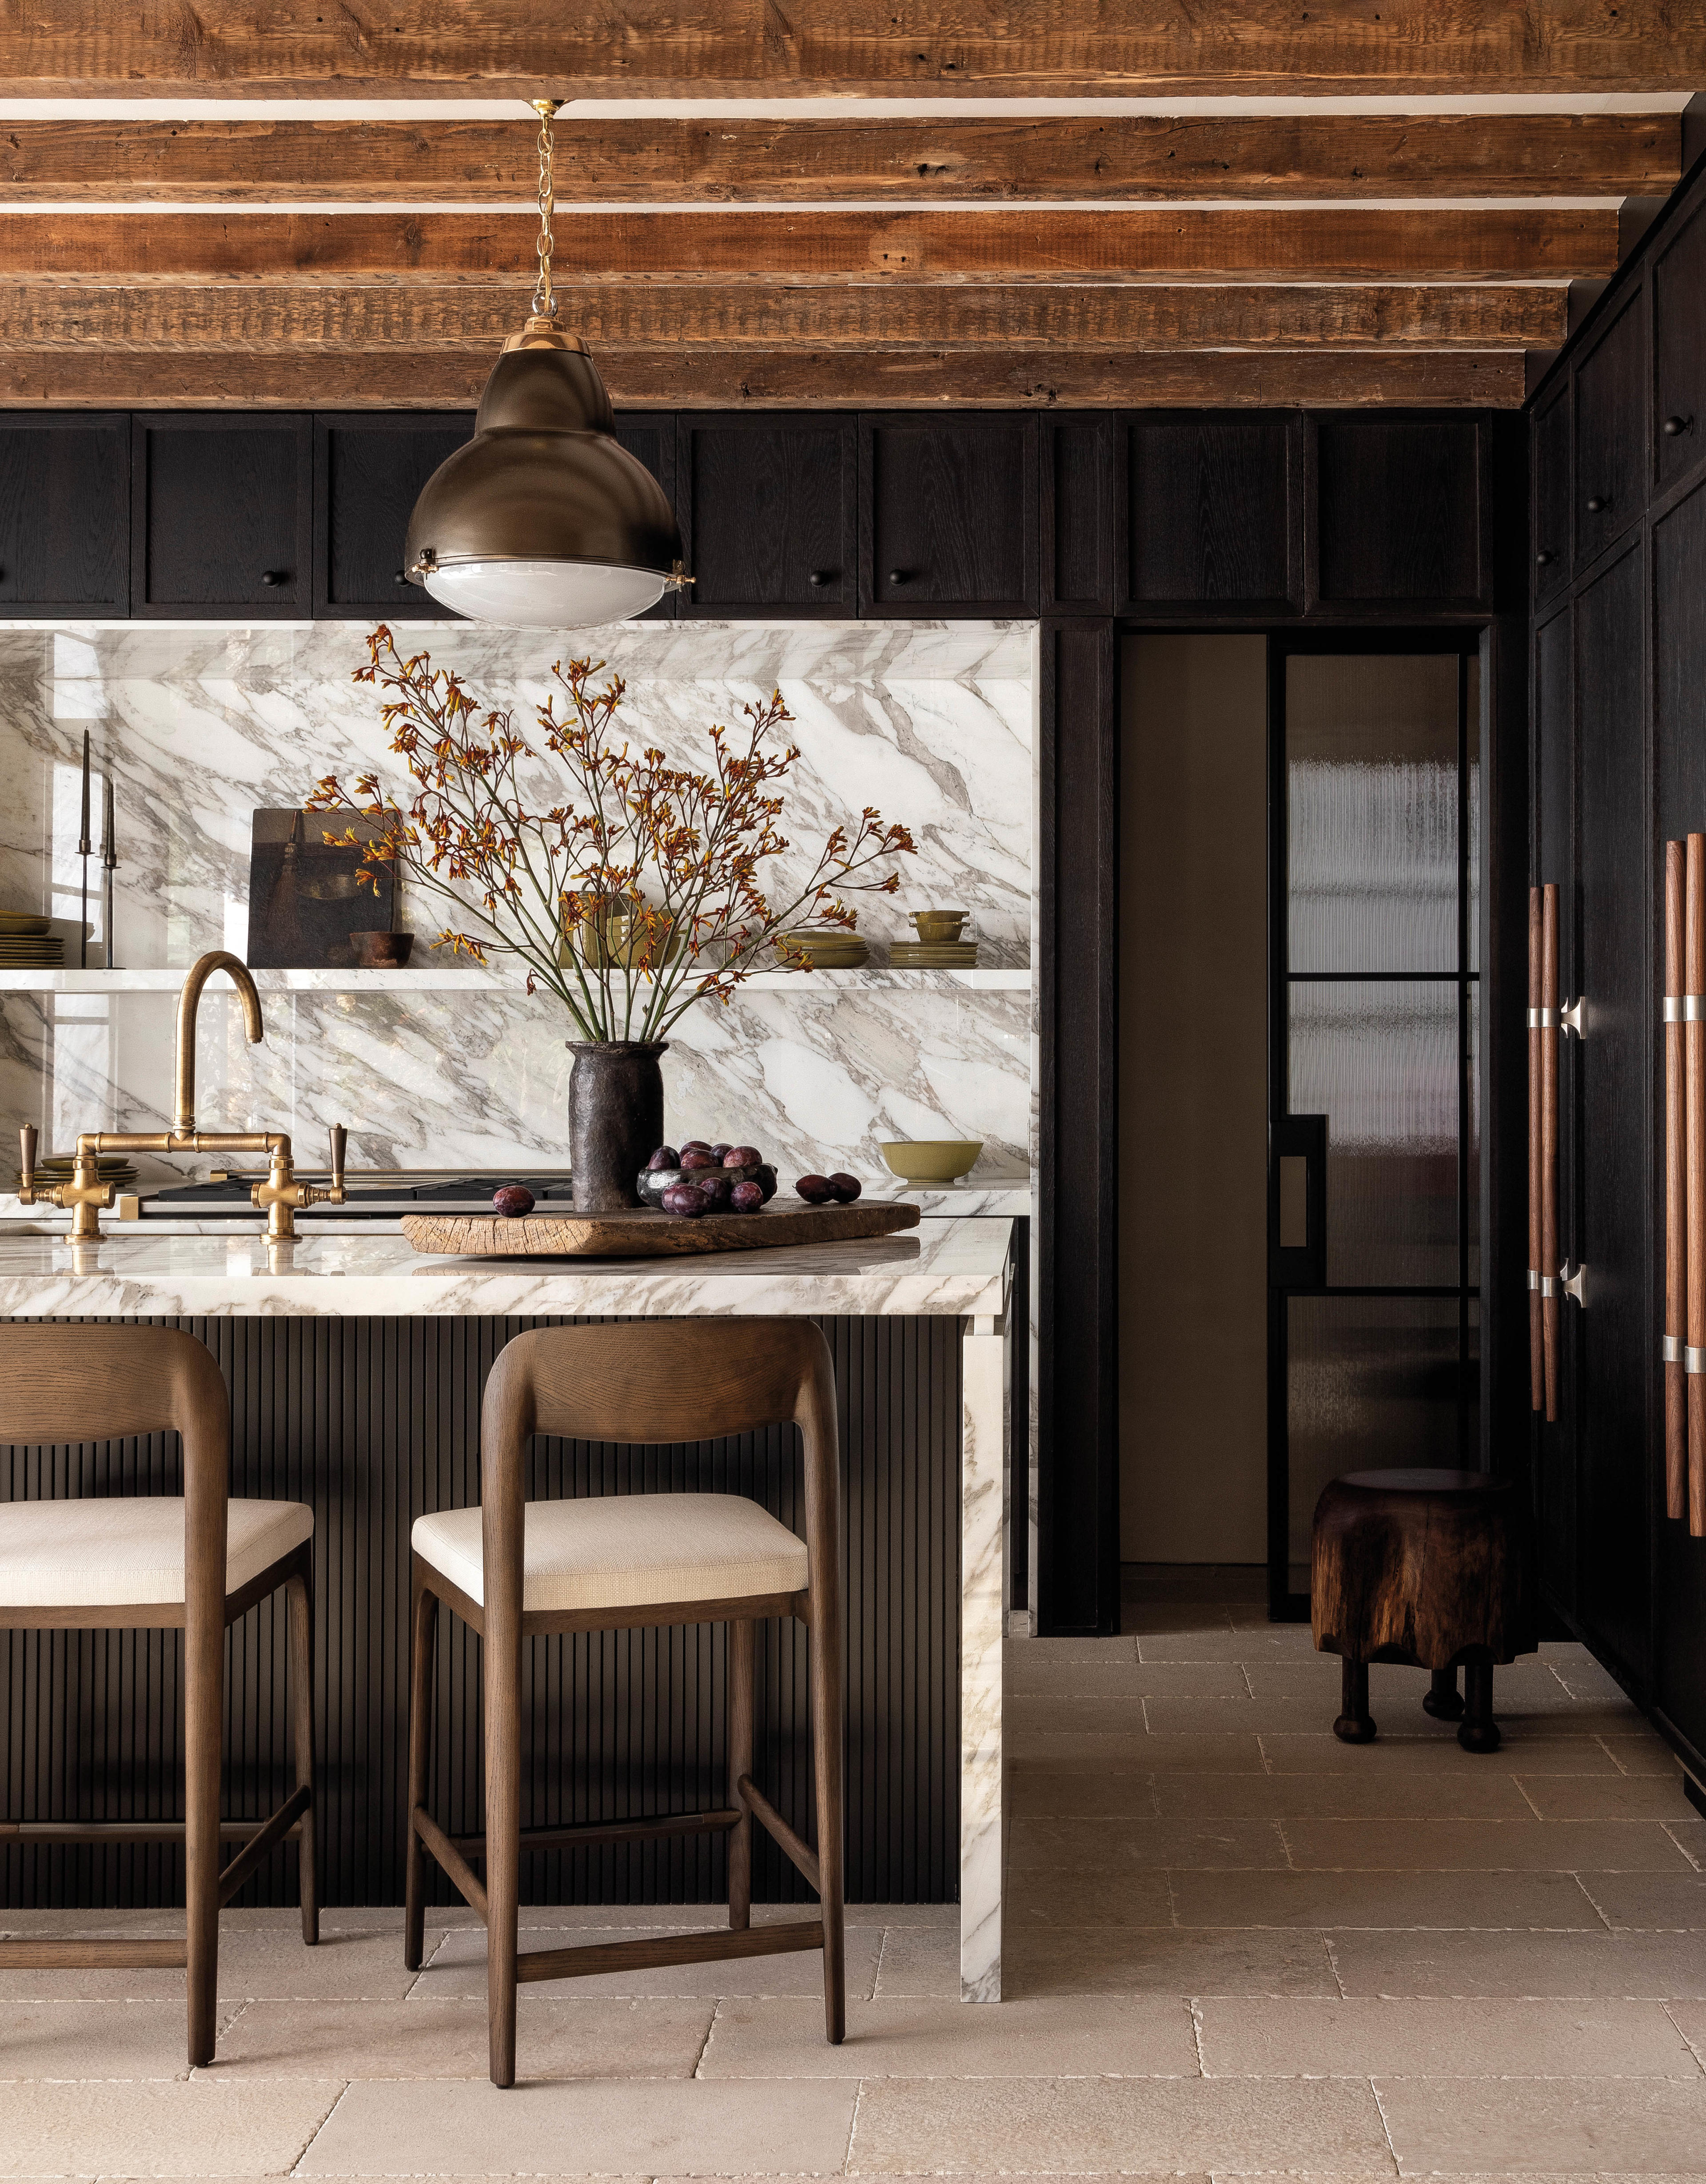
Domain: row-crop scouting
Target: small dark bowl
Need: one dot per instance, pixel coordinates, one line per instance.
(382, 951)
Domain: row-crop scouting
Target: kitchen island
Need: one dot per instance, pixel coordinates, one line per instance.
(355, 1367)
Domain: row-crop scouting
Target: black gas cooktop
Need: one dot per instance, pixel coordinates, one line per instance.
(377, 1198)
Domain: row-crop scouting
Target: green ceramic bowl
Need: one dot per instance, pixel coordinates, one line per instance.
(933, 1159)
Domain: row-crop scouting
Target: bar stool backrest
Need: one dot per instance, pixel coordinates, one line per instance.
(62, 1383)
(648, 1381)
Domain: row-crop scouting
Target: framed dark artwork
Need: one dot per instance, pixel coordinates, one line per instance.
(304, 901)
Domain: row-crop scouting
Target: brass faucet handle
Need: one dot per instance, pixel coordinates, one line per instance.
(340, 1140)
(26, 1163)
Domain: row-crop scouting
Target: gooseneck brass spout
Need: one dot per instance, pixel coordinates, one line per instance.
(278, 1195)
(189, 1003)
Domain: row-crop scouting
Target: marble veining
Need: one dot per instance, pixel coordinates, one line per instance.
(933, 724)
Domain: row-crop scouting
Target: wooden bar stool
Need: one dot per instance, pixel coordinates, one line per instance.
(1430, 1569)
(513, 1569)
(156, 1562)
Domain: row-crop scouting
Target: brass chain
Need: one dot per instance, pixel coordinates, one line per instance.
(545, 296)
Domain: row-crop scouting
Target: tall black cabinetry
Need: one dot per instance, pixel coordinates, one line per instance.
(1618, 687)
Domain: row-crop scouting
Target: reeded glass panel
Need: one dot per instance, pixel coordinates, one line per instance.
(1380, 1061)
(1472, 1136)
(1371, 770)
(1374, 1383)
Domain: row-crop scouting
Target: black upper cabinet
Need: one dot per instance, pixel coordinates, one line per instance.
(769, 507)
(1080, 504)
(368, 473)
(950, 516)
(1400, 514)
(1550, 497)
(1610, 482)
(1678, 349)
(221, 514)
(65, 515)
(1210, 519)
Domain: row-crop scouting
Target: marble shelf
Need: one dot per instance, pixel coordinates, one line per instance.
(1004, 980)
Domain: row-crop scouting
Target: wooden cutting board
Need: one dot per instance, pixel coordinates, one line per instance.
(644, 1234)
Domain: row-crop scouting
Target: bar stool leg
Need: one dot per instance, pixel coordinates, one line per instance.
(1442, 1698)
(423, 1641)
(299, 1594)
(826, 1731)
(740, 1681)
(1477, 1731)
(503, 1837)
(203, 1728)
(1355, 1725)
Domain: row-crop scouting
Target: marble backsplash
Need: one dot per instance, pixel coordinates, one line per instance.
(931, 723)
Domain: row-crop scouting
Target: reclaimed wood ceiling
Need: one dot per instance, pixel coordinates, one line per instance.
(1068, 202)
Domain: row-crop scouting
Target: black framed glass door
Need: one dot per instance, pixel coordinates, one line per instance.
(1374, 805)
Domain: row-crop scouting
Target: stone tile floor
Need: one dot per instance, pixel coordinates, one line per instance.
(1236, 1948)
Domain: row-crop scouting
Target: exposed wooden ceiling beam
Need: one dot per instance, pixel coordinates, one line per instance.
(1273, 243)
(704, 378)
(623, 315)
(673, 159)
(740, 48)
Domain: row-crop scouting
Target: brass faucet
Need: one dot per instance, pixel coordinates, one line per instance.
(280, 1194)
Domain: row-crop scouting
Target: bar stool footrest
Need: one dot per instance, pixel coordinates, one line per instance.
(654, 1953)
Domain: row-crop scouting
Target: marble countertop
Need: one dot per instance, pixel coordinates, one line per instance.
(952, 1268)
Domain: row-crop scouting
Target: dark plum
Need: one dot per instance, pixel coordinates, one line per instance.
(687, 1201)
(722, 1151)
(844, 1189)
(716, 1183)
(665, 1156)
(742, 1156)
(745, 1198)
(813, 1188)
(699, 1156)
(512, 1200)
(695, 1145)
(765, 1180)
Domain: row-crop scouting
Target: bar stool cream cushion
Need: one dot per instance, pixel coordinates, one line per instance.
(625, 1551)
(120, 1551)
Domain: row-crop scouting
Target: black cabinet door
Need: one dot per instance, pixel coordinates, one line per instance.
(1210, 516)
(1081, 501)
(769, 507)
(64, 514)
(1610, 484)
(221, 516)
(948, 518)
(1550, 496)
(649, 436)
(1398, 514)
(368, 473)
(1678, 349)
(1611, 1144)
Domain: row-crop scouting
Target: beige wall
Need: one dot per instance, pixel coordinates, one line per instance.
(1193, 1099)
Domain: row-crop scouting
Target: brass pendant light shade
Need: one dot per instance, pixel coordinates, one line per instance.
(544, 519)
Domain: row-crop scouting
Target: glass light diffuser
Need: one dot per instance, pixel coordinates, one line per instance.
(546, 594)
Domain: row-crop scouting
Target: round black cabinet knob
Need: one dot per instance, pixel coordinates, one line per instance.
(1676, 426)
(1597, 503)
(273, 576)
(821, 577)
(900, 576)
(1546, 557)
(401, 577)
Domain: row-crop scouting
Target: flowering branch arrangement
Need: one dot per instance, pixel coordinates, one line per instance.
(630, 888)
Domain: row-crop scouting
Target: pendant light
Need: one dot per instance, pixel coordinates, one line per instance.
(545, 520)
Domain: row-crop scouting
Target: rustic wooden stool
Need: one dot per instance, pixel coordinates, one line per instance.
(1429, 1569)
